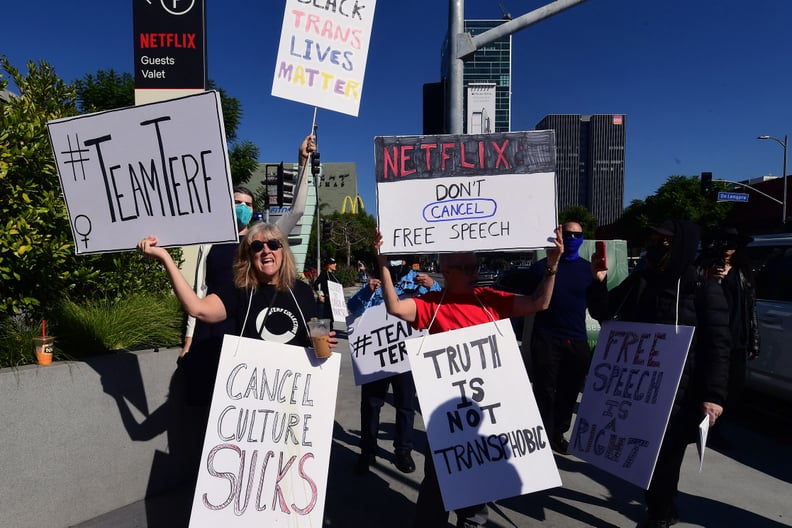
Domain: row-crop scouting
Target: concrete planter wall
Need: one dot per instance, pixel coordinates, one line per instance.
(78, 439)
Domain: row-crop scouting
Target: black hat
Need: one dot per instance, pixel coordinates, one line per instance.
(329, 260)
(667, 228)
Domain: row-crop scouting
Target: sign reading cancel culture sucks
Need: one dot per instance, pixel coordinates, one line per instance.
(160, 169)
(466, 192)
(628, 395)
(486, 437)
(266, 451)
(322, 53)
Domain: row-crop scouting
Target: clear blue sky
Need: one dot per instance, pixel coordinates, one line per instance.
(698, 80)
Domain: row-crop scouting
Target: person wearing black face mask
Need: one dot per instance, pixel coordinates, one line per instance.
(560, 354)
(668, 290)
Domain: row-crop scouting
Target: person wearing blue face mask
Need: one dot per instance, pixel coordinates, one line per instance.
(560, 354)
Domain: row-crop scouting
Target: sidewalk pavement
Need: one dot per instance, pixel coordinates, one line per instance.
(748, 488)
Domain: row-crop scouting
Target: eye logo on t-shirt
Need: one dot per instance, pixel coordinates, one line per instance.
(277, 325)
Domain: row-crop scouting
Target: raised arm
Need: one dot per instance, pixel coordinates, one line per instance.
(402, 308)
(540, 299)
(288, 221)
(210, 309)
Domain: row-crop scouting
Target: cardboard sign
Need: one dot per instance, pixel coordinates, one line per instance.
(322, 53)
(158, 169)
(377, 344)
(267, 447)
(451, 193)
(485, 433)
(337, 301)
(628, 396)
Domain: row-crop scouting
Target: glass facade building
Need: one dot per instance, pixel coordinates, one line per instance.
(589, 162)
(490, 64)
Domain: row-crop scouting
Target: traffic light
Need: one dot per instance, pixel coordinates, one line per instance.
(327, 228)
(706, 183)
(316, 165)
(286, 179)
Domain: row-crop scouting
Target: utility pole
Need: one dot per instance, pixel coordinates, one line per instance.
(461, 46)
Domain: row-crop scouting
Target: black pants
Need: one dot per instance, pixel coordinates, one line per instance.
(430, 512)
(682, 430)
(559, 369)
(372, 398)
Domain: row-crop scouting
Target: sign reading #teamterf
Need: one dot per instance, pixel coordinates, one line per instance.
(158, 169)
(462, 192)
(322, 53)
(377, 344)
(266, 452)
(627, 399)
(485, 433)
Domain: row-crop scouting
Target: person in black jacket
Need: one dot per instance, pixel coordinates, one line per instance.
(724, 259)
(668, 290)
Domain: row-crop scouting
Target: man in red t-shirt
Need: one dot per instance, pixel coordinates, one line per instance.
(459, 305)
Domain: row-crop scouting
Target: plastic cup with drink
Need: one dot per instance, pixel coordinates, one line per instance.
(319, 330)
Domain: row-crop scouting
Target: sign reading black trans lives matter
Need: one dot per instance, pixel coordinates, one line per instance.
(466, 192)
(159, 168)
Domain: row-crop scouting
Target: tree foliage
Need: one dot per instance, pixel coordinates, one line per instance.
(581, 215)
(351, 238)
(37, 261)
(678, 197)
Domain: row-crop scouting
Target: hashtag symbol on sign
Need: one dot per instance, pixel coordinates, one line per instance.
(360, 344)
(78, 159)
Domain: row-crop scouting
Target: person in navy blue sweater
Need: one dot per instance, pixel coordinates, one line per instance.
(560, 354)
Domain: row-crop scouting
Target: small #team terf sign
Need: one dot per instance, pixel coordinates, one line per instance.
(267, 447)
(485, 433)
(322, 53)
(158, 169)
(377, 344)
(487, 192)
(628, 396)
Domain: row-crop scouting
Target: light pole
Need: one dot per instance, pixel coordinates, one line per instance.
(784, 144)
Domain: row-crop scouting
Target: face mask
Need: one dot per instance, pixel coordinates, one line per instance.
(658, 255)
(571, 248)
(396, 262)
(243, 214)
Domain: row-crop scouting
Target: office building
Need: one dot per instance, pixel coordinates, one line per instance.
(488, 69)
(589, 162)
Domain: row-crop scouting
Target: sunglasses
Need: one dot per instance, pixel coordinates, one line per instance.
(573, 234)
(258, 245)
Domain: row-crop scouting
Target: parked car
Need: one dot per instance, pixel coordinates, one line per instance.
(771, 372)
(486, 276)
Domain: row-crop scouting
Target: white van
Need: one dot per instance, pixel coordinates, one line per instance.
(771, 372)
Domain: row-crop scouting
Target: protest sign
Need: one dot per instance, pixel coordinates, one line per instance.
(449, 193)
(628, 396)
(322, 53)
(159, 169)
(337, 301)
(485, 433)
(377, 344)
(267, 447)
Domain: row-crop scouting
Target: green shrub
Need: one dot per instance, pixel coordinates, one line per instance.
(16, 341)
(346, 275)
(134, 322)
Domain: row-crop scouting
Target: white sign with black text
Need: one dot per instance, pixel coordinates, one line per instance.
(485, 434)
(628, 395)
(157, 169)
(266, 452)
